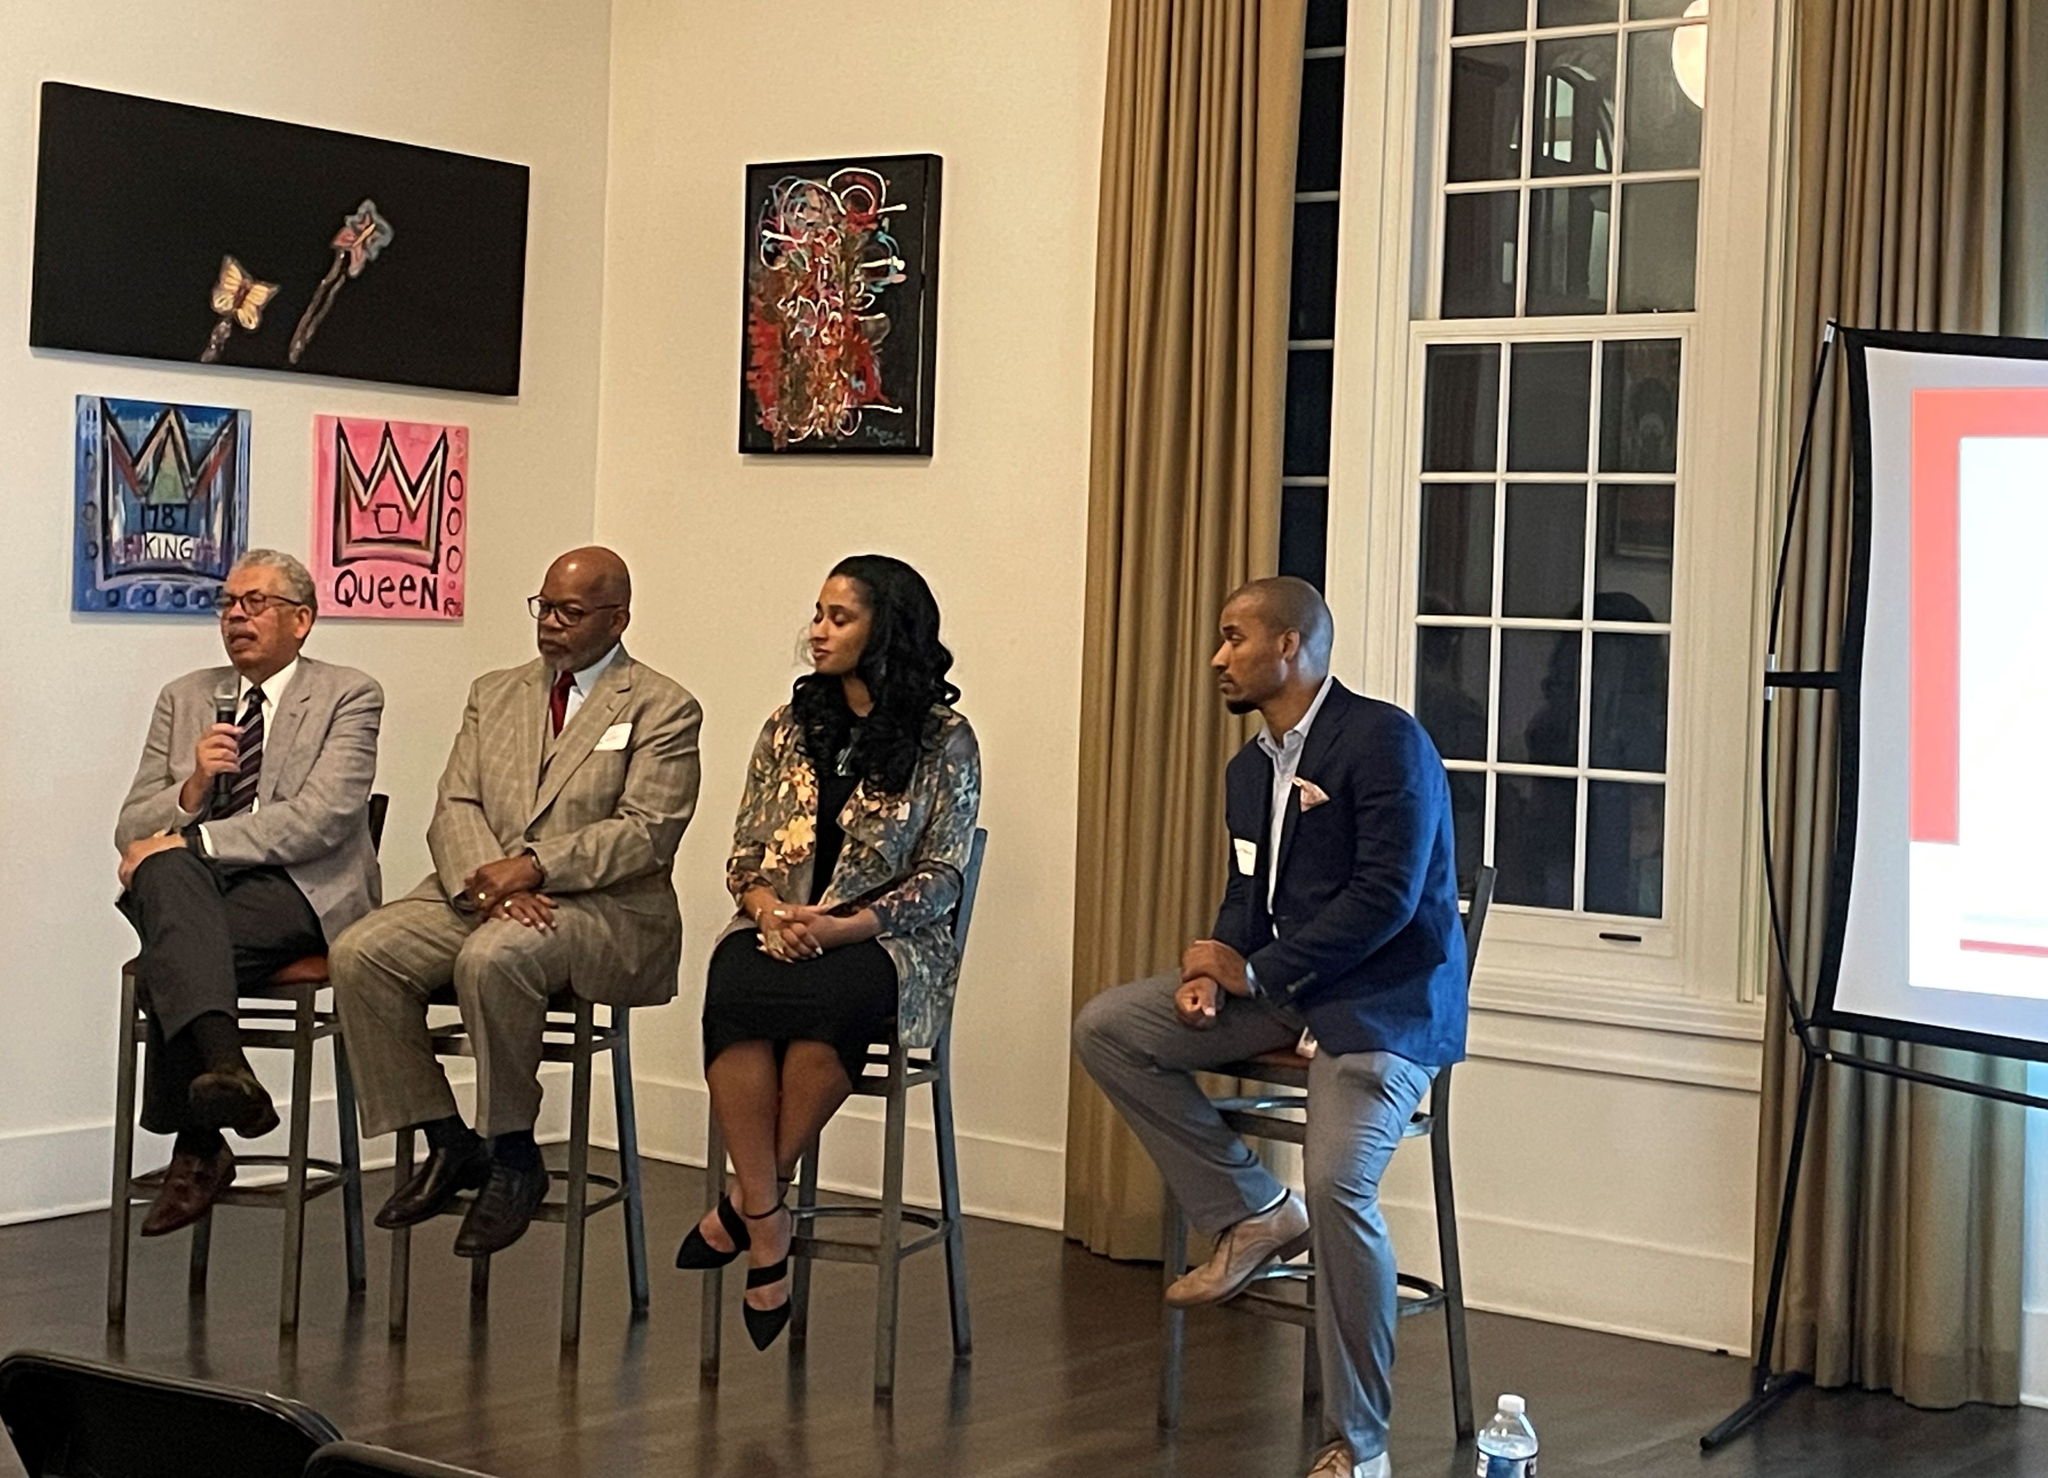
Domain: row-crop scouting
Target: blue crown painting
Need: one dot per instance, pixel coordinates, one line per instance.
(162, 502)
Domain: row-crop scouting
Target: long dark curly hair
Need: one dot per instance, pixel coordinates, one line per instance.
(904, 666)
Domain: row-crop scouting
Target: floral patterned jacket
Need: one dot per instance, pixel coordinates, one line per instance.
(902, 856)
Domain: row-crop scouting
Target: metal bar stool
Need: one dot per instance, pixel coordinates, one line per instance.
(572, 1035)
(1286, 1291)
(900, 1070)
(283, 1013)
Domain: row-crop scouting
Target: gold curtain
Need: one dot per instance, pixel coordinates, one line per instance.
(1905, 1259)
(1183, 502)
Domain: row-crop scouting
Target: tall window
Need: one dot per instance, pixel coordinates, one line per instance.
(1551, 357)
(1312, 297)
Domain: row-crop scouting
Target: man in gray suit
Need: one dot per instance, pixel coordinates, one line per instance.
(553, 838)
(244, 846)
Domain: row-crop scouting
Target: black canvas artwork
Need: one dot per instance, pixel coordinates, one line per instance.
(841, 314)
(171, 232)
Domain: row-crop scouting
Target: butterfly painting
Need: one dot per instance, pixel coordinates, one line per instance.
(352, 257)
(237, 298)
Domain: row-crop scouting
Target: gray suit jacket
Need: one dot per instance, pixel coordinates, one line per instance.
(602, 807)
(313, 800)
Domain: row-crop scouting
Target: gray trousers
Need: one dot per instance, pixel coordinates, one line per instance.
(1134, 1045)
(384, 968)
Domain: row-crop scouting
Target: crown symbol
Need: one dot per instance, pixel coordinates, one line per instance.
(163, 510)
(387, 512)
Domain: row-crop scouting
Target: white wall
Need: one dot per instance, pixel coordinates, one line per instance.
(524, 82)
(729, 551)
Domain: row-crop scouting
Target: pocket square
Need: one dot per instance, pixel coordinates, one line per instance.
(615, 737)
(1312, 794)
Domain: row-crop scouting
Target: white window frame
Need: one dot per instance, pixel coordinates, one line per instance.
(1699, 969)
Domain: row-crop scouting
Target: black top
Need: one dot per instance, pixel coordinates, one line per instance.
(834, 790)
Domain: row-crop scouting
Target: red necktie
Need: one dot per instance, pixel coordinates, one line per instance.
(558, 700)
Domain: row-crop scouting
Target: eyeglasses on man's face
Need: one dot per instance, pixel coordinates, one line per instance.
(542, 609)
(253, 604)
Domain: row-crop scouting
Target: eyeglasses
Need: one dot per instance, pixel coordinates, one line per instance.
(540, 609)
(255, 603)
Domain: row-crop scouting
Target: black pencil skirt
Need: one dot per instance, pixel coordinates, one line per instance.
(845, 997)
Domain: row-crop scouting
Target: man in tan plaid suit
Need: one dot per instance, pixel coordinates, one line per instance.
(553, 838)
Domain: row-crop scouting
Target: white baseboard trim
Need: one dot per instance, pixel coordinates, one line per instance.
(1003, 1179)
(68, 1170)
(1687, 1296)
(1676, 1295)
(60, 1172)
(2034, 1357)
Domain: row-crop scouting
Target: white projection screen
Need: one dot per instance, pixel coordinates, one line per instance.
(1939, 925)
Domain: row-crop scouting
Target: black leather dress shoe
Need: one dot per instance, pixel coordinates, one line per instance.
(435, 1184)
(502, 1211)
(232, 1099)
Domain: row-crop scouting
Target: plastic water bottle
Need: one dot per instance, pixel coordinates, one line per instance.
(1507, 1445)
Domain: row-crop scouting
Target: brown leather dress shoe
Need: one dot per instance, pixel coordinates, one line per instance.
(1242, 1253)
(233, 1099)
(190, 1188)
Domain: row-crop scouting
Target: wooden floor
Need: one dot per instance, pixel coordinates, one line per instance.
(1062, 1380)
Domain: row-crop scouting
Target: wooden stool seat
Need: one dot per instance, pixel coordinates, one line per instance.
(310, 970)
(284, 1014)
(570, 1034)
(901, 1230)
(1272, 1104)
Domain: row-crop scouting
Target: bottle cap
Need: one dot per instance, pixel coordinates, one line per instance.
(1512, 1406)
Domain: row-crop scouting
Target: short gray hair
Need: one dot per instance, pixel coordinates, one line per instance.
(298, 581)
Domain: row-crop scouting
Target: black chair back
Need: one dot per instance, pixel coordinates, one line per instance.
(76, 1418)
(358, 1460)
(379, 804)
(1475, 916)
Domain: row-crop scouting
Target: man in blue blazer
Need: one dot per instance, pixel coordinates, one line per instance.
(1339, 928)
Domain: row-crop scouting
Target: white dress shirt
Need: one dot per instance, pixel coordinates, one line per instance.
(1285, 753)
(584, 680)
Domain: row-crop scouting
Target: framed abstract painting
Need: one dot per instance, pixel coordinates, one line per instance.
(841, 311)
(160, 504)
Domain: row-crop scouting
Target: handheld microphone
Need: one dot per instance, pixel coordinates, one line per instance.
(223, 713)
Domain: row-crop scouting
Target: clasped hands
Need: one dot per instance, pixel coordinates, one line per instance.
(796, 931)
(510, 889)
(1209, 970)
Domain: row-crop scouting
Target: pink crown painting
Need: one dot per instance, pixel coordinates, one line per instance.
(390, 516)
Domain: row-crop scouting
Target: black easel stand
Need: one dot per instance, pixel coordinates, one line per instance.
(1768, 1387)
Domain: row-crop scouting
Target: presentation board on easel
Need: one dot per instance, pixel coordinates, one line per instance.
(1937, 926)
(1939, 931)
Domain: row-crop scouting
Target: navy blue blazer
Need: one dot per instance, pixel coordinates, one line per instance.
(1364, 936)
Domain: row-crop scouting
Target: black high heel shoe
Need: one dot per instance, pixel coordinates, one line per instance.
(697, 1254)
(764, 1326)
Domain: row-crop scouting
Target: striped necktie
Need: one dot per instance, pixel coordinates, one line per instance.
(250, 770)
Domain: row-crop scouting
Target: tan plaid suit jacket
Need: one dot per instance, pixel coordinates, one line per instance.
(602, 806)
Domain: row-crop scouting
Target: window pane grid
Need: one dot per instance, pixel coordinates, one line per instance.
(1634, 270)
(1626, 856)
(1306, 412)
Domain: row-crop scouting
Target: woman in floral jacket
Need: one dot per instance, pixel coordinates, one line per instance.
(857, 819)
